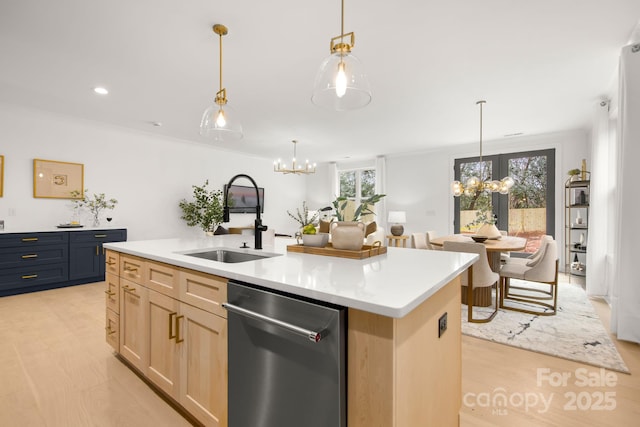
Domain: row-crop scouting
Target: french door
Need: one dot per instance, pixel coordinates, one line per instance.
(527, 211)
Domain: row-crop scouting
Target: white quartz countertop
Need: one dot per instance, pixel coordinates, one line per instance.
(390, 284)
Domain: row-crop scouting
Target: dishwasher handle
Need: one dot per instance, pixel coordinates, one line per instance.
(311, 335)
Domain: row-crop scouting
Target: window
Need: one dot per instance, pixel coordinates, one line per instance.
(357, 184)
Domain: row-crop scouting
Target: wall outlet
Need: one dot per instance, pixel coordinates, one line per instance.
(442, 324)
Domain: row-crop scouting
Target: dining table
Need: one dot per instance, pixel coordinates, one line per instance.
(482, 296)
(494, 246)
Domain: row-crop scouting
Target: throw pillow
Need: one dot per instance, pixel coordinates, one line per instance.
(370, 228)
(325, 226)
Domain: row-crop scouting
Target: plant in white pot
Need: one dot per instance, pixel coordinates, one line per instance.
(308, 232)
(348, 233)
(487, 222)
(206, 211)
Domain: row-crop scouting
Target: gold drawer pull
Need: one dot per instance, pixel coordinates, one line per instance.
(98, 236)
(29, 256)
(130, 269)
(110, 332)
(30, 239)
(178, 339)
(171, 334)
(109, 293)
(111, 262)
(128, 289)
(30, 276)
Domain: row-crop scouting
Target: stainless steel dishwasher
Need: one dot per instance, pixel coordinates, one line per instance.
(286, 360)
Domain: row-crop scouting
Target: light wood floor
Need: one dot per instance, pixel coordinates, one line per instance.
(56, 370)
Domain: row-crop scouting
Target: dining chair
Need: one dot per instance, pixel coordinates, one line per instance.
(479, 277)
(423, 240)
(419, 241)
(545, 294)
(430, 236)
(543, 269)
(504, 256)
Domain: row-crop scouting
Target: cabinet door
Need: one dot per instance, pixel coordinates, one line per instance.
(203, 366)
(85, 260)
(133, 319)
(162, 333)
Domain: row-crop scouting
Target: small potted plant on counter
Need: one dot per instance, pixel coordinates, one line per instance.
(206, 211)
(308, 232)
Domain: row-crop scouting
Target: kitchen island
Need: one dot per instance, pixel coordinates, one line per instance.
(403, 369)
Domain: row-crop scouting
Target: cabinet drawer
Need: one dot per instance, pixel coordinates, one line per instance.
(112, 292)
(112, 330)
(25, 277)
(117, 235)
(112, 262)
(132, 268)
(161, 278)
(33, 239)
(204, 291)
(34, 255)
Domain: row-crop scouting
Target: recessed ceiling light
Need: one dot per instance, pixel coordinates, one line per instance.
(513, 134)
(100, 90)
(156, 124)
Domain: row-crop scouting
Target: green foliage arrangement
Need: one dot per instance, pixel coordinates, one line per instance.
(340, 206)
(206, 211)
(95, 204)
(303, 218)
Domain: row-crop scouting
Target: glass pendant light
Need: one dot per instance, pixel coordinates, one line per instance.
(475, 184)
(341, 83)
(219, 120)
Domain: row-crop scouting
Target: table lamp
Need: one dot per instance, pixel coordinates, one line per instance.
(397, 218)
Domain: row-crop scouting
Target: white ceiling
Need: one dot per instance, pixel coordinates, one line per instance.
(541, 65)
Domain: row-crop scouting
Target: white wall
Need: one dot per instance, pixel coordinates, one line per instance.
(419, 183)
(147, 174)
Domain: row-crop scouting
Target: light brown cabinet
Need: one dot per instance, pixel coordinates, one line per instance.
(173, 330)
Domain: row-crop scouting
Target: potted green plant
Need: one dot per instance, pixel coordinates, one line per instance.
(303, 217)
(206, 211)
(95, 204)
(573, 174)
(341, 212)
(348, 233)
(487, 224)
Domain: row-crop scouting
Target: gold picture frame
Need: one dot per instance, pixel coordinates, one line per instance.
(1, 175)
(56, 180)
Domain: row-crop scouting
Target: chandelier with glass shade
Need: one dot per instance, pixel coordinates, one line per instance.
(295, 168)
(475, 184)
(219, 120)
(341, 83)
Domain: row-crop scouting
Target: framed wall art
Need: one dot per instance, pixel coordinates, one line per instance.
(1, 175)
(56, 180)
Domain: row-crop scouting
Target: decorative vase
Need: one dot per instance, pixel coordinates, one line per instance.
(96, 219)
(318, 240)
(347, 235)
(490, 231)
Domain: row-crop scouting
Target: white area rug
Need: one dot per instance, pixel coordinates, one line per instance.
(574, 333)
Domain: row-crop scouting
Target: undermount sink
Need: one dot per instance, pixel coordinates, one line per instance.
(229, 256)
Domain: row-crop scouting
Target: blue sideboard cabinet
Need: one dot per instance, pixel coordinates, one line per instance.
(46, 260)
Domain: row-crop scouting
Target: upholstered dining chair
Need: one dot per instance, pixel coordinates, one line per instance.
(541, 269)
(423, 240)
(504, 256)
(478, 276)
(545, 294)
(419, 241)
